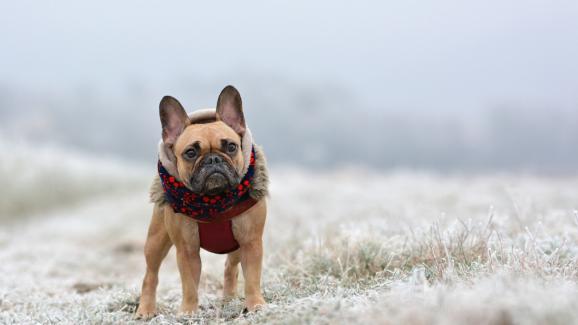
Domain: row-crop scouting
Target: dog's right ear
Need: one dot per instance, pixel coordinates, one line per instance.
(174, 119)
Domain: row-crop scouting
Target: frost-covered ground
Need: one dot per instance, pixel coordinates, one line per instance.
(341, 247)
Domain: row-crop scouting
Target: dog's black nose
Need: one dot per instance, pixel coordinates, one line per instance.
(212, 159)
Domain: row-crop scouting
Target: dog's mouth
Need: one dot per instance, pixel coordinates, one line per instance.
(216, 183)
(214, 179)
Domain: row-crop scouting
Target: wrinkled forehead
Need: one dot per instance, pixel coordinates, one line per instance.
(207, 134)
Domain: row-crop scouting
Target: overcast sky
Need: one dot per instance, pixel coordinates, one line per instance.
(446, 54)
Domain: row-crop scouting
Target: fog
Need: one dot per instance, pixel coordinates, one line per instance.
(442, 85)
(419, 151)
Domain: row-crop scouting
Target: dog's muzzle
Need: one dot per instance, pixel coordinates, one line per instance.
(215, 175)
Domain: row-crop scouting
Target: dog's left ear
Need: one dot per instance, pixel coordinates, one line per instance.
(230, 110)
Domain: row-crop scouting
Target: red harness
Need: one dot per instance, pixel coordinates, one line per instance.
(217, 236)
(212, 213)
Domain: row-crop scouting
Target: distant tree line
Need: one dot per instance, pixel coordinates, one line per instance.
(307, 126)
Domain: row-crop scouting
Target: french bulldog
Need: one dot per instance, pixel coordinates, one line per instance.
(208, 158)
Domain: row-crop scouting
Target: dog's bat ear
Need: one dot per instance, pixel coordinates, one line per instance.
(174, 119)
(230, 109)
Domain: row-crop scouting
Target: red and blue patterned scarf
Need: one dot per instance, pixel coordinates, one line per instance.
(206, 208)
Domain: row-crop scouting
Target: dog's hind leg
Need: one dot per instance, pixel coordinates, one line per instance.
(231, 274)
(157, 246)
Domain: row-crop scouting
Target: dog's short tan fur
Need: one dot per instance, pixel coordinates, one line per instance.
(168, 228)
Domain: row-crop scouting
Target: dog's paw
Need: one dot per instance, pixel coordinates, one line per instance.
(146, 310)
(187, 311)
(254, 303)
(185, 314)
(145, 315)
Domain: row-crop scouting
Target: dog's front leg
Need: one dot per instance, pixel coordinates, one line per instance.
(248, 230)
(156, 248)
(184, 233)
(251, 262)
(189, 261)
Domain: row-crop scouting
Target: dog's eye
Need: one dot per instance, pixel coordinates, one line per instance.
(191, 153)
(231, 147)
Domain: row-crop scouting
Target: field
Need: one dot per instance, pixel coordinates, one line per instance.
(342, 246)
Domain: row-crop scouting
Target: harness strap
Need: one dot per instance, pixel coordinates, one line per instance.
(234, 211)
